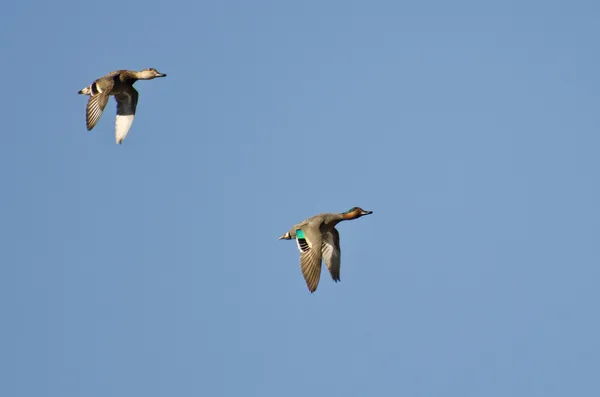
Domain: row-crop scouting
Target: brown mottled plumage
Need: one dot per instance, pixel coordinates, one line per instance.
(119, 84)
(318, 239)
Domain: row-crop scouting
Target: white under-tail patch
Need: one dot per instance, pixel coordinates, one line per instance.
(122, 126)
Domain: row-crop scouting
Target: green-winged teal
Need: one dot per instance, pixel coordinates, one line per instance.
(119, 84)
(317, 238)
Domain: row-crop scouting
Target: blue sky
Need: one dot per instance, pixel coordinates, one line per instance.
(153, 268)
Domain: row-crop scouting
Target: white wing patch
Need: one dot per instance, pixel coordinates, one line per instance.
(122, 126)
(126, 104)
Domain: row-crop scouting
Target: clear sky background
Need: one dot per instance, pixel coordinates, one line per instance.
(153, 268)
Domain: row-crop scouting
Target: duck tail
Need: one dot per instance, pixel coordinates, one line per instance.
(286, 236)
(91, 89)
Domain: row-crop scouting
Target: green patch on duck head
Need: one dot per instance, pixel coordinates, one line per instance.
(351, 210)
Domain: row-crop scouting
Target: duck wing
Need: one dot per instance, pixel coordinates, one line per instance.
(331, 253)
(99, 91)
(309, 241)
(126, 106)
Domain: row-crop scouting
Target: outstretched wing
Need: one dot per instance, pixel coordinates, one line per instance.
(309, 243)
(95, 107)
(126, 105)
(332, 253)
(99, 92)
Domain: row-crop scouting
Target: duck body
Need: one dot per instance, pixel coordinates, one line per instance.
(318, 240)
(120, 85)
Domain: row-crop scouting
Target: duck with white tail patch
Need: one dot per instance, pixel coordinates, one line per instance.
(120, 85)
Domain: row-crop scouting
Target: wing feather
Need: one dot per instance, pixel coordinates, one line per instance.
(310, 255)
(95, 107)
(126, 106)
(331, 253)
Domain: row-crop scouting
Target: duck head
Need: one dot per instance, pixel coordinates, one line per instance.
(149, 74)
(355, 212)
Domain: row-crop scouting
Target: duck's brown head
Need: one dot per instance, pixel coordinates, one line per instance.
(355, 212)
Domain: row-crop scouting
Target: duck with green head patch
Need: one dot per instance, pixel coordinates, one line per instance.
(317, 240)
